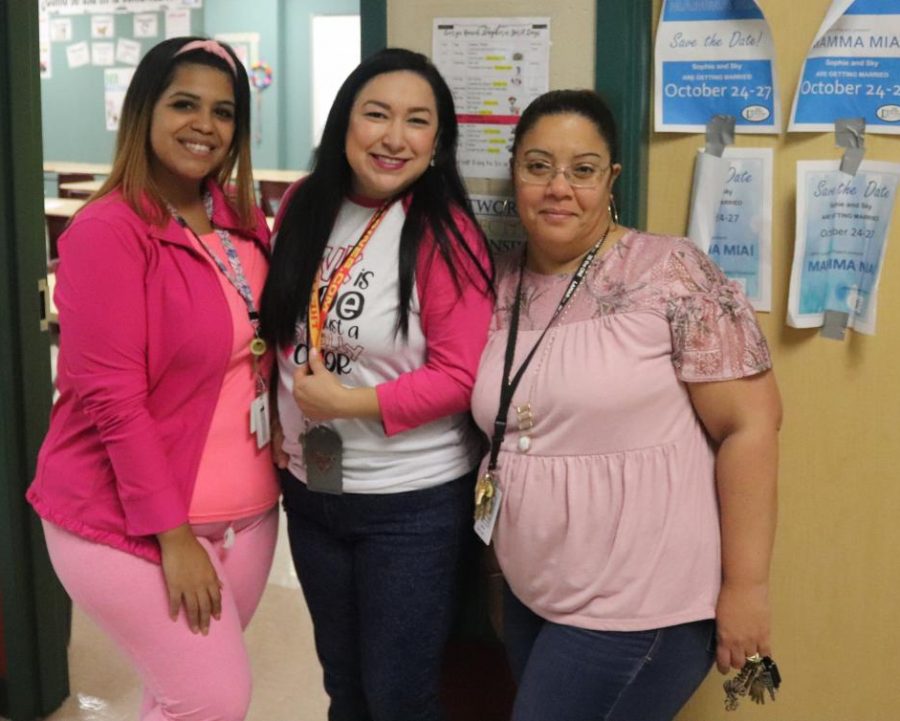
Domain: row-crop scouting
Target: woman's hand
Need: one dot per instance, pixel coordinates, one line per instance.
(322, 397)
(317, 391)
(742, 625)
(190, 577)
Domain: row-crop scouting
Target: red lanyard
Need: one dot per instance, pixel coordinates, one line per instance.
(319, 312)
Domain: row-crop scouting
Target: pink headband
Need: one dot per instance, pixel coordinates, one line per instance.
(212, 47)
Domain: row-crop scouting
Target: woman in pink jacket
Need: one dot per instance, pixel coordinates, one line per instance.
(379, 300)
(157, 502)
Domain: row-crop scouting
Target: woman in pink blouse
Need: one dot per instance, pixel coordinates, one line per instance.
(634, 481)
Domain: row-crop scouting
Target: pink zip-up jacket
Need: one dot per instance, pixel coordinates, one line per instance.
(146, 335)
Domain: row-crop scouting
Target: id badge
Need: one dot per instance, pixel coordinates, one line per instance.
(484, 526)
(323, 454)
(259, 420)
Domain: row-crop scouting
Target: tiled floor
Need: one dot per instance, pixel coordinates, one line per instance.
(287, 677)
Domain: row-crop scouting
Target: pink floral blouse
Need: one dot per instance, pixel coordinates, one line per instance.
(609, 517)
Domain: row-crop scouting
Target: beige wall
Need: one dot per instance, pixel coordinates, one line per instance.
(836, 574)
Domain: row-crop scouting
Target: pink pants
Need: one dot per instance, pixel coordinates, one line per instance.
(186, 676)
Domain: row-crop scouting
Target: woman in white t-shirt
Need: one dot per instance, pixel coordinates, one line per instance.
(379, 301)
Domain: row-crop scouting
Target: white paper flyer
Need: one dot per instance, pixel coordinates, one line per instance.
(78, 54)
(494, 67)
(740, 241)
(842, 230)
(115, 84)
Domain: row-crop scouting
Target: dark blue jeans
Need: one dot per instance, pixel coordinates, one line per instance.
(576, 674)
(380, 573)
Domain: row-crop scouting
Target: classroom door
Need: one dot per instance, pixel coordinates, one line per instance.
(34, 610)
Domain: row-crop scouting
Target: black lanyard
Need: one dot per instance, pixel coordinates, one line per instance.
(509, 385)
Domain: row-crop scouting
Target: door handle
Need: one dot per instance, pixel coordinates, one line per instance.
(44, 300)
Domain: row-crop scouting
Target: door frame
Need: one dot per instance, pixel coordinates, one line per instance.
(622, 75)
(35, 609)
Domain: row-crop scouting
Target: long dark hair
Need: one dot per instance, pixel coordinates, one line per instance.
(131, 166)
(312, 209)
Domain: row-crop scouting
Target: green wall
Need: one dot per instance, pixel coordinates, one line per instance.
(73, 116)
(263, 17)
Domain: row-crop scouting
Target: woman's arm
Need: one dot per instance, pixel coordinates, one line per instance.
(743, 417)
(455, 322)
(103, 309)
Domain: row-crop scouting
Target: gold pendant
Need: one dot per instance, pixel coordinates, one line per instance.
(258, 347)
(525, 417)
(484, 496)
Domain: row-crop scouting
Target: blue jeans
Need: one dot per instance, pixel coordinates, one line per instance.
(380, 573)
(576, 674)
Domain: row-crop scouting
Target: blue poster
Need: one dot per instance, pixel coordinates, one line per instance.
(715, 57)
(852, 69)
(842, 230)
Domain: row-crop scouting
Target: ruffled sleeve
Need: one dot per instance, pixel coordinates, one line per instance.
(715, 335)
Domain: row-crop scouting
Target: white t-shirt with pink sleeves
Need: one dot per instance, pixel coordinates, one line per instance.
(424, 381)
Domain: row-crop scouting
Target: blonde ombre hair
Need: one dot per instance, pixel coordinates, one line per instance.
(130, 171)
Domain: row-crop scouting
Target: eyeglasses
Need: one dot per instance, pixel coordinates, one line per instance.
(582, 174)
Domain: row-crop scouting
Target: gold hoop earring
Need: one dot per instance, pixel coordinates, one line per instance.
(613, 210)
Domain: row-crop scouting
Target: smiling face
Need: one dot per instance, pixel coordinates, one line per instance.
(191, 130)
(562, 222)
(392, 134)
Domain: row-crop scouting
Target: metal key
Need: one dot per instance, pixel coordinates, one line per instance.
(767, 681)
(741, 684)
